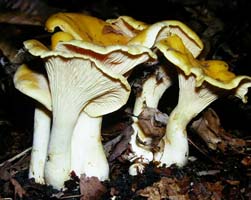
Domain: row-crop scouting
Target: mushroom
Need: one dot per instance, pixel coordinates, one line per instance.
(119, 59)
(152, 90)
(200, 83)
(111, 49)
(76, 85)
(35, 85)
(150, 36)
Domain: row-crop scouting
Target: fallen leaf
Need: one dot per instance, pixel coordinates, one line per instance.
(91, 188)
(20, 18)
(119, 144)
(4, 171)
(18, 188)
(152, 122)
(246, 161)
(207, 190)
(166, 188)
(209, 128)
(27, 12)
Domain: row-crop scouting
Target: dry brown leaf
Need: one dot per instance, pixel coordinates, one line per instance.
(246, 161)
(118, 145)
(21, 19)
(28, 12)
(152, 122)
(166, 188)
(152, 193)
(91, 188)
(9, 50)
(207, 190)
(4, 171)
(18, 188)
(208, 127)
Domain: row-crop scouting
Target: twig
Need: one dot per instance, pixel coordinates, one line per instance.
(16, 156)
(71, 196)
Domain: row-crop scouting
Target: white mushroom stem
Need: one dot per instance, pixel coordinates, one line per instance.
(191, 101)
(68, 99)
(152, 91)
(88, 155)
(35, 84)
(41, 134)
(57, 168)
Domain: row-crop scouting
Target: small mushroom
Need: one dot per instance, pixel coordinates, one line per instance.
(77, 85)
(151, 35)
(200, 83)
(152, 91)
(35, 84)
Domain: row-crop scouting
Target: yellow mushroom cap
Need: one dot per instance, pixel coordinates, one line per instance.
(33, 84)
(214, 72)
(148, 35)
(86, 28)
(60, 37)
(217, 69)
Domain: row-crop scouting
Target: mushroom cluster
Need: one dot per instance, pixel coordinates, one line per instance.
(83, 82)
(86, 69)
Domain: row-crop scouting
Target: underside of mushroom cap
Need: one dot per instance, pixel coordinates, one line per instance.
(33, 84)
(86, 28)
(214, 72)
(117, 92)
(82, 83)
(116, 58)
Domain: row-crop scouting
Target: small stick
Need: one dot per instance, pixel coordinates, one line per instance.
(16, 156)
(71, 196)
